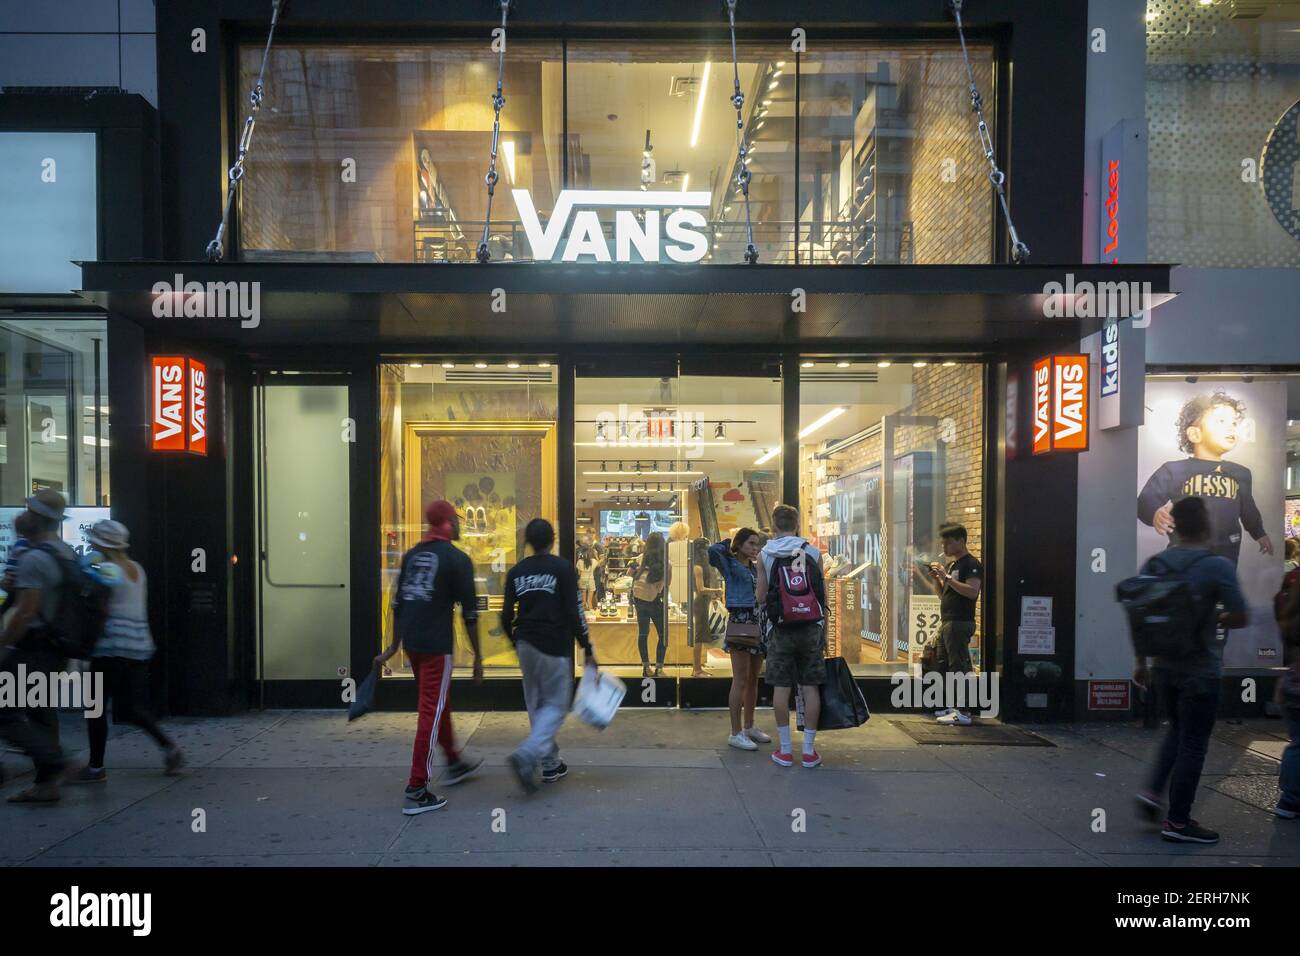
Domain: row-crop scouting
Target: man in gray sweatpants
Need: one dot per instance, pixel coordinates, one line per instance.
(542, 614)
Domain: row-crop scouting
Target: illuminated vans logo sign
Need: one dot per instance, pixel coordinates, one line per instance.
(679, 236)
(1061, 404)
(179, 419)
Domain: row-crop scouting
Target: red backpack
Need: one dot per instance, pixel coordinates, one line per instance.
(793, 589)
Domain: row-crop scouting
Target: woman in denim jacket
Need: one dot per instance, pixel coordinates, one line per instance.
(735, 560)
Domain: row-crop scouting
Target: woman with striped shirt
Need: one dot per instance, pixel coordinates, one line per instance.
(122, 654)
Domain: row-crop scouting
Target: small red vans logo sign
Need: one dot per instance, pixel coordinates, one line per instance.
(179, 406)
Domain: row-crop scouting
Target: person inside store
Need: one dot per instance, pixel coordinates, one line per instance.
(1288, 696)
(587, 577)
(651, 577)
(703, 593)
(435, 576)
(736, 560)
(796, 643)
(598, 574)
(958, 585)
(542, 615)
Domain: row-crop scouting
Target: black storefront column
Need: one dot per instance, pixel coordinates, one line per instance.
(1037, 502)
(190, 544)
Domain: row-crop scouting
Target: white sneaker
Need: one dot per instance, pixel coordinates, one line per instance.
(756, 735)
(741, 742)
(954, 718)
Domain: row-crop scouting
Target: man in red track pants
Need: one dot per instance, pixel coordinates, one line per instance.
(435, 576)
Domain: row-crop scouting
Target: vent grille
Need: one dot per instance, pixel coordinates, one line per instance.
(683, 85)
(850, 375)
(488, 377)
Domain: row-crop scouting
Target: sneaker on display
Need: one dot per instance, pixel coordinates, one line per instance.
(742, 742)
(954, 718)
(756, 735)
(1189, 832)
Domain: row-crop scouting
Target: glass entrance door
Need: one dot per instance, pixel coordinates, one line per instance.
(667, 465)
(304, 611)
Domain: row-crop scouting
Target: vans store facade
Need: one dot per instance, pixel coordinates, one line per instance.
(588, 342)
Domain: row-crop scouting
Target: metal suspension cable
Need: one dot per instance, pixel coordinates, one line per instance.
(1019, 251)
(216, 250)
(742, 175)
(498, 101)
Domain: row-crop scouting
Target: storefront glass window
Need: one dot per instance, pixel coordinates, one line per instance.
(1223, 109)
(890, 166)
(1234, 441)
(889, 451)
(54, 422)
(377, 153)
(665, 468)
(676, 98)
(49, 195)
(482, 435)
(373, 152)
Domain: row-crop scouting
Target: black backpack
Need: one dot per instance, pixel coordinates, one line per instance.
(83, 608)
(1165, 613)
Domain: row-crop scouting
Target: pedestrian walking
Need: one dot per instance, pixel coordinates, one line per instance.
(435, 576)
(543, 615)
(1189, 683)
(27, 643)
(122, 654)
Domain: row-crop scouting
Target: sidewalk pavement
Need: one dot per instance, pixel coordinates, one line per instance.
(657, 788)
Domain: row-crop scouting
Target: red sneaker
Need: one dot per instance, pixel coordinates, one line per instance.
(782, 759)
(811, 760)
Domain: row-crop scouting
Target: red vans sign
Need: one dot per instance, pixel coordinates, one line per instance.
(179, 404)
(1061, 404)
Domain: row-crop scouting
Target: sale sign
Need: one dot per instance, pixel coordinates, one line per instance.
(167, 432)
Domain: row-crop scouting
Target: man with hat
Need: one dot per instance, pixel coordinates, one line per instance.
(435, 576)
(24, 642)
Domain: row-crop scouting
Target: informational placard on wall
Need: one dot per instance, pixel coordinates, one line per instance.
(1035, 612)
(1108, 695)
(1036, 640)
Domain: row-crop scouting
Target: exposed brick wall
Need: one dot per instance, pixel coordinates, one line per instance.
(952, 222)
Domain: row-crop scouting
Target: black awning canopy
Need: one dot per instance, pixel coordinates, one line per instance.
(468, 306)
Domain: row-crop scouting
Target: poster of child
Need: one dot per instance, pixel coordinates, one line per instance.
(1223, 442)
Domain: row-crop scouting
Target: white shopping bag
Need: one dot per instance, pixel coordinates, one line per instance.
(598, 697)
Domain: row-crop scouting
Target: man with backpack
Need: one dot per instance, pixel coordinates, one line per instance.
(30, 641)
(1176, 606)
(790, 578)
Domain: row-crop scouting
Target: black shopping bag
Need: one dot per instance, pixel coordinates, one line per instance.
(365, 695)
(843, 705)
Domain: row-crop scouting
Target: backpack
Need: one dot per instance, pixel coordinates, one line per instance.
(82, 608)
(792, 589)
(1165, 614)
